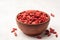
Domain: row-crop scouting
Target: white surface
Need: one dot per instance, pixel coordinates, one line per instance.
(10, 8)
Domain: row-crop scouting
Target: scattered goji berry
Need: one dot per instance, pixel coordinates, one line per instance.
(15, 34)
(52, 15)
(39, 37)
(51, 30)
(49, 34)
(56, 35)
(14, 29)
(46, 32)
(54, 32)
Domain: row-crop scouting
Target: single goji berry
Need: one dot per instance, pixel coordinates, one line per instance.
(14, 29)
(46, 32)
(52, 15)
(39, 37)
(15, 34)
(54, 32)
(51, 30)
(49, 34)
(56, 35)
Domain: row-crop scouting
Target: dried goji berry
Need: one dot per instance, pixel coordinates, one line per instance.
(14, 29)
(15, 34)
(54, 32)
(46, 32)
(52, 15)
(49, 34)
(39, 37)
(32, 15)
(51, 30)
(56, 35)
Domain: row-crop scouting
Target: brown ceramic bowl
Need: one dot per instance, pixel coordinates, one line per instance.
(33, 29)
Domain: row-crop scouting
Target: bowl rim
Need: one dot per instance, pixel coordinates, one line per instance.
(33, 24)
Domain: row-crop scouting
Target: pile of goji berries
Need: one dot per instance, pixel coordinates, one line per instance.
(32, 17)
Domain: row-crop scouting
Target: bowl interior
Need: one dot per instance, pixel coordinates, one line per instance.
(34, 24)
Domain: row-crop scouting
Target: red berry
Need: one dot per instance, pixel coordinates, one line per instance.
(56, 35)
(28, 17)
(29, 22)
(54, 32)
(34, 16)
(47, 31)
(49, 34)
(39, 37)
(51, 30)
(15, 34)
(52, 15)
(37, 14)
(14, 29)
(35, 22)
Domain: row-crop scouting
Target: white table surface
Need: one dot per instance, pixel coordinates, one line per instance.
(10, 8)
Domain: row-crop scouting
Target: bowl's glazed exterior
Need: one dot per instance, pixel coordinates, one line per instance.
(31, 29)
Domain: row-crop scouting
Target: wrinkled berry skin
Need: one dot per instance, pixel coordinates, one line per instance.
(34, 26)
